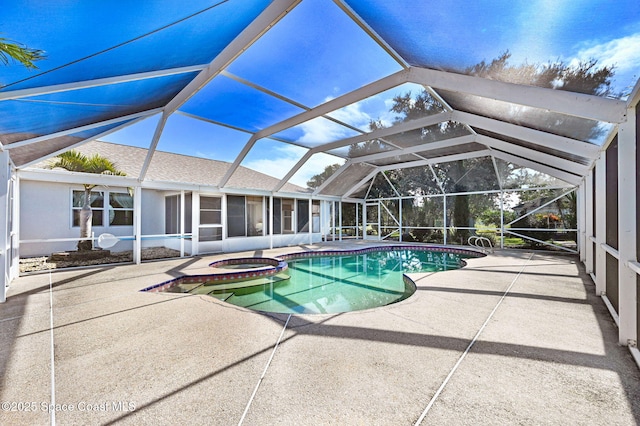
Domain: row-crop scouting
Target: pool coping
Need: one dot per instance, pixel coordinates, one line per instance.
(279, 264)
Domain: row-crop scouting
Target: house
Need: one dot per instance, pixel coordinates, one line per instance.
(181, 207)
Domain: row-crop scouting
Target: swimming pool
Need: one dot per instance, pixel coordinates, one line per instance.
(322, 282)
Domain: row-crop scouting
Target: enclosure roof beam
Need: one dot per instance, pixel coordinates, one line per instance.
(564, 102)
(443, 159)
(293, 170)
(549, 140)
(142, 114)
(361, 182)
(551, 171)
(541, 157)
(284, 98)
(418, 163)
(384, 132)
(87, 84)
(332, 177)
(332, 105)
(267, 19)
(429, 146)
(363, 92)
(377, 134)
(372, 33)
(75, 145)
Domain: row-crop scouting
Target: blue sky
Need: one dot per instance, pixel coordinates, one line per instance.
(290, 62)
(317, 53)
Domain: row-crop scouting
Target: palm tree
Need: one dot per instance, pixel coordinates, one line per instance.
(74, 161)
(11, 50)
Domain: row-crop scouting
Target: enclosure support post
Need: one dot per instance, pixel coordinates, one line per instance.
(379, 224)
(364, 220)
(444, 218)
(14, 230)
(589, 220)
(195, 223)
(137, 228)
(333, 220)
(310, 213)
(270, 219)
(182, 218)
(340, 219)
(601, 225)
(5, 205)
(501, 219)
(400, 219)
(580, 213)
(364, 215)
(627, 277)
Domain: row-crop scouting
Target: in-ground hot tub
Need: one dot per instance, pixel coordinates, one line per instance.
(321, 281)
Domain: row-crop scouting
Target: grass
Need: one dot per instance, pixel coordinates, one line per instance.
(513, 242)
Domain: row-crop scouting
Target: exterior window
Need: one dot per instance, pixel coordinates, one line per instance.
(120, 209)
(210, 219)
(97, 206)
(277, 216)
(235, 216)
(303, 215)
(172, 214)
(244, 216)
(210, 211)
(315, 216)
(287, 216)
(210, 234)
(254, 216)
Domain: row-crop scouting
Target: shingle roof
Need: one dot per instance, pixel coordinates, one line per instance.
(166, 166)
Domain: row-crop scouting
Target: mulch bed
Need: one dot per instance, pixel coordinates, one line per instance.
(44, 263)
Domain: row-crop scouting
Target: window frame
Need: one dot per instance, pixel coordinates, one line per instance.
(118, 209)
(95, 210)
(216, 227)
(231, 204)
(290, 217)
(100, 214)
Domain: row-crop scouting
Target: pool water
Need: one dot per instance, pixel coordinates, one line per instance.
(333, 284)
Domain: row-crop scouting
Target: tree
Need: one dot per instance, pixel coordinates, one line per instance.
(586, 77)
(319, 179)
(13, 51)
(74, 161)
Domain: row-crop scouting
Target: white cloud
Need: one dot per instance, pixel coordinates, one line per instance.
(285, 157)
(210, 155)
(623, 53)
(353, 114)
(321, 130)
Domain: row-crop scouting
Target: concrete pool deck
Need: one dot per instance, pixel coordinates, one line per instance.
(546, 353)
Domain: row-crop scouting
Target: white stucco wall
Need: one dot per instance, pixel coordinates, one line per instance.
(153, 217)
(258, 243)
(45, 213)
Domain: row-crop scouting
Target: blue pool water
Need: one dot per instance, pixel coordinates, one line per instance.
(333, 284)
